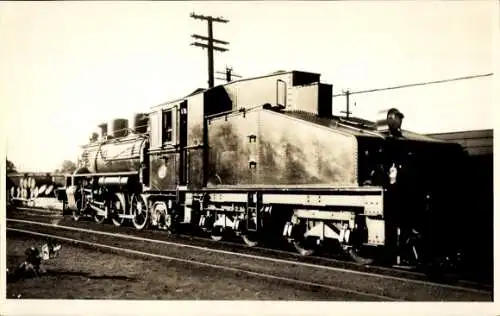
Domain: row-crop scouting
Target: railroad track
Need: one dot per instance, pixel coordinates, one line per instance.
(236, 246)
(374, 282)
(277, 252)
(51, 215)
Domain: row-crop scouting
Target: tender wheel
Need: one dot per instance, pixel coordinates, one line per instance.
(160, 216)
(216, 237)
(250, 239)
(140, 211)
(249, 234)
(356, 255)
(117, 207)
(305, 247)
(217, 233)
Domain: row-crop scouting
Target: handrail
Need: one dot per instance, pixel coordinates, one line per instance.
(208, 117)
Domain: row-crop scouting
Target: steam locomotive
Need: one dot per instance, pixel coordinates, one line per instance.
(264, 159)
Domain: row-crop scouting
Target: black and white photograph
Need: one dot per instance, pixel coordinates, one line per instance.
(248, 157)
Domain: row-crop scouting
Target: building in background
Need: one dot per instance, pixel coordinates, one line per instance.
(478, 179)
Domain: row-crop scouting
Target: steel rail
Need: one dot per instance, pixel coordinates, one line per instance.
(40, 210)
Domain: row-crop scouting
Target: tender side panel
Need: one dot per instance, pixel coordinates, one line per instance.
(265, 148)
(293, 151)
(229, 150)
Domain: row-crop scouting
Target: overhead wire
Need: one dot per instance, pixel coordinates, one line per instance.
(414, 84)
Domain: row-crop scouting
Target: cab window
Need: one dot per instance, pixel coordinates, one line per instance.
(167, 126)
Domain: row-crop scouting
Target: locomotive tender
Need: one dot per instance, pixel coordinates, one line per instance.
(264, 158)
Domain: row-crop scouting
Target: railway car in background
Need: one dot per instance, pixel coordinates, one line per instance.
(264, 159)
(24, 187)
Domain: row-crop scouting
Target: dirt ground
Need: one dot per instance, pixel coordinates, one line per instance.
(83, 273)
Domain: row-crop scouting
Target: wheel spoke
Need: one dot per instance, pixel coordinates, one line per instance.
(140, 212)
(117, 209)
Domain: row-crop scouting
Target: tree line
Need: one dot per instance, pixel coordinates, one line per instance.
(67, 166)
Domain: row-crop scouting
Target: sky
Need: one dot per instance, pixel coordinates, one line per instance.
(70, 65)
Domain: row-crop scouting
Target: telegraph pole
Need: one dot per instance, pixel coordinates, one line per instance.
(347, 94)
(210, 43)
(229, 74)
